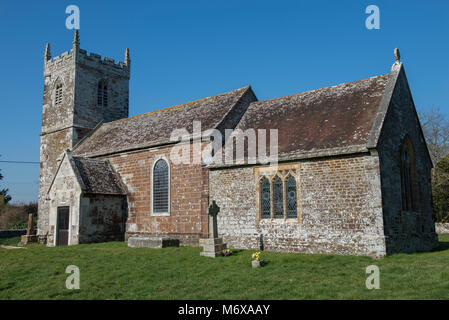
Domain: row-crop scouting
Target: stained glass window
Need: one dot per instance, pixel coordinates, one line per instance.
(265, 198)
(292, 206)
(278, 198)
(160, 186)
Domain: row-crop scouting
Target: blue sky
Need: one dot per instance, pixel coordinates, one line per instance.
(184, 50)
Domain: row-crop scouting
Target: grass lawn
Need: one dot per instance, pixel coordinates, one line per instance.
(114, 271)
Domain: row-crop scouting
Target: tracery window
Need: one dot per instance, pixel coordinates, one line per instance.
(278, 198)
(278, 193)
(265, 198)
(292, 203)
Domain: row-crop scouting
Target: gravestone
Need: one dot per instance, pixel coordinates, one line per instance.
(31, 235)
(213, 246)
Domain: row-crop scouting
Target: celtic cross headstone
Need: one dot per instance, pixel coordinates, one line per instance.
(213, 211)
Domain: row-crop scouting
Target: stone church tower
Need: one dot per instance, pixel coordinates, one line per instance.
(80, 91)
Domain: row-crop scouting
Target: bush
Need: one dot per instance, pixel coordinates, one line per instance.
(16, 215)
(18, 225)
(440, 189)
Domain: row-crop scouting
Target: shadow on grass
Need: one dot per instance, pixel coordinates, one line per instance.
(236, 252)
(443, 246)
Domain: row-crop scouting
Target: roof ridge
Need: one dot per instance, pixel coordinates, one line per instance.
(319, 89)
(177, 106)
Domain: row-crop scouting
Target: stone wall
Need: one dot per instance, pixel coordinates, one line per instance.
(405, 231)
(188, 220)
(340, 208)
(89, 71)
(102, 218)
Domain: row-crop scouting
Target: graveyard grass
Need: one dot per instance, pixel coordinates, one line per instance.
(114, 271)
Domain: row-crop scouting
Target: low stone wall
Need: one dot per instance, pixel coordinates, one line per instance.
(12, 233)
(442, 227)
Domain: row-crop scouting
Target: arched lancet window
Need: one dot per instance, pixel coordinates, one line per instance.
(58, 94)
(102, 94)
(292, 205)
(161, 187)
(278, 198)
(408, 176)
(265, 198)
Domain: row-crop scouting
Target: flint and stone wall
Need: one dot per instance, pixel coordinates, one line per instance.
(340, 209)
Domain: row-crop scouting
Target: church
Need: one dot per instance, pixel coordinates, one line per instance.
(349, 171)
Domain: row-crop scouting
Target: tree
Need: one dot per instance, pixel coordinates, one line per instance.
(435, 126)
(5, 197)
(440, 190)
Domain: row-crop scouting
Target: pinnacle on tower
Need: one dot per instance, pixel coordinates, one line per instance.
(76, 39)
(127, 58)
(47, 55)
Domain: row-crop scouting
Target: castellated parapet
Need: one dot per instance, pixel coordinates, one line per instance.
(91, 60)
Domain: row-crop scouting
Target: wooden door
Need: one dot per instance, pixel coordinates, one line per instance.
(63, 226)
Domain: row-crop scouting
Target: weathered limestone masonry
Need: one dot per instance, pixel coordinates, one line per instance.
(70, 108)
(340, 208)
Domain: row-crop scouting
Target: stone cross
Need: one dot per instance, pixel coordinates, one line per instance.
(213, 211)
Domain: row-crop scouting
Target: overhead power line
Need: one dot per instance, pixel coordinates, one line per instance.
(28, 162)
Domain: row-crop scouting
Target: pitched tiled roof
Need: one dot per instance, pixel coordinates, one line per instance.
(155, 127)
(332, 117)
(97, 176)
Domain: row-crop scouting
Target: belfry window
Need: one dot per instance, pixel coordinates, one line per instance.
(102, 94)
(58, 94)
(408, 176)
(160, 187)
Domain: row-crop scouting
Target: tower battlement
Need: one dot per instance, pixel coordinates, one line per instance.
(92, 60)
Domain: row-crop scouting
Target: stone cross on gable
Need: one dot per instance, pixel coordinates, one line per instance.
(213, 211)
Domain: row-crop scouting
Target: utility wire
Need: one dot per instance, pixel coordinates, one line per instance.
(29, 162)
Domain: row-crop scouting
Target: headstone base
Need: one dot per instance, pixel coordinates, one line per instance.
(25, 239)
(212, 247)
